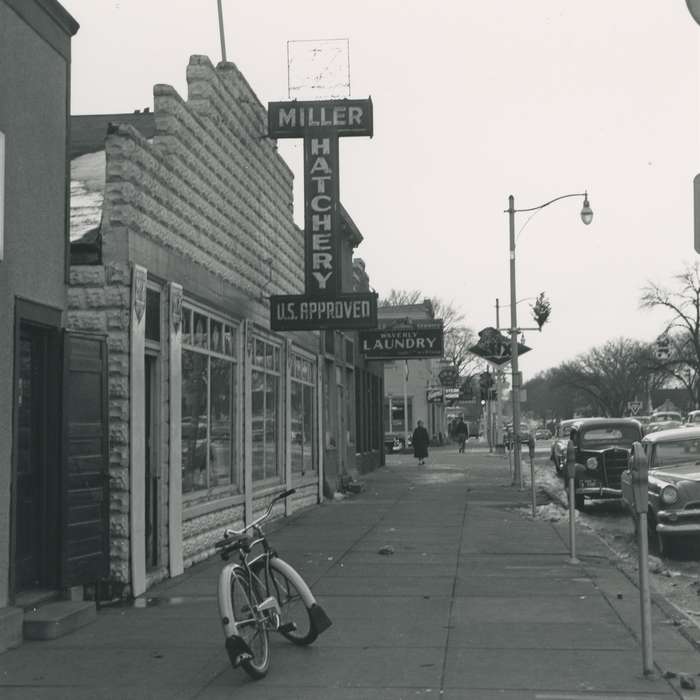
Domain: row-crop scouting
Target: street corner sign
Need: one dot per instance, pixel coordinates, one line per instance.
(494, 347)
(295, 119)
(416, 341)
(297, 312)
(634, 407)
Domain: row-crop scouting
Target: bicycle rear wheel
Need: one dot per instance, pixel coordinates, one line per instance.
(251, 627)
(296, 623)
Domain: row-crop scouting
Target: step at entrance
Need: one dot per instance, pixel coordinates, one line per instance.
(57, 619)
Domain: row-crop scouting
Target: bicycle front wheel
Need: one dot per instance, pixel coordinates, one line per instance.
(296, 624)
(251, 627)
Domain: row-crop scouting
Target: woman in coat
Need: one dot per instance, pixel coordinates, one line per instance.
(420, 442)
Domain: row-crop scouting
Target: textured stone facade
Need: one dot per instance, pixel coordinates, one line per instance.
(207, 204)
(98, 302)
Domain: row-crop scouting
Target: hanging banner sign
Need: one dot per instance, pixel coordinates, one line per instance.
(494, 347)
(403, 342)
(296, 312)
(435, 394)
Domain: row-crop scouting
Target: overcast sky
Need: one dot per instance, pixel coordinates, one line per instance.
(473, 100)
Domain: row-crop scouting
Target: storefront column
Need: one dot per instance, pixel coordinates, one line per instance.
(175, 441)
(320, 446)
(248, 342)
(137, 432)
(287, 383)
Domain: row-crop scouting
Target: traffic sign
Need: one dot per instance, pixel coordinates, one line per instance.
(634, 407)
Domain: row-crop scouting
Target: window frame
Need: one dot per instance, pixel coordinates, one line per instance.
(310, 476)
(236, 359)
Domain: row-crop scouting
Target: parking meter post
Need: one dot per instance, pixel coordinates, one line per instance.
(571, 473)
(532, 487)
(639, 472)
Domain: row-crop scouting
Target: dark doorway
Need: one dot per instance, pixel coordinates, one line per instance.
(152, 472)
(38, 459)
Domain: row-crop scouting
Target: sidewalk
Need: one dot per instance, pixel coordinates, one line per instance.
(477, 602)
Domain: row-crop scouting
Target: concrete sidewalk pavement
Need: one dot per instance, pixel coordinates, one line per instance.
(476, 602)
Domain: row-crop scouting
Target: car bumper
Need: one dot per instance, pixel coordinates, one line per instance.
(598, 492)
(678, 521)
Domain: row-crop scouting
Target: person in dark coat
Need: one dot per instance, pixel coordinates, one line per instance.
(420, 442)
(461, 433)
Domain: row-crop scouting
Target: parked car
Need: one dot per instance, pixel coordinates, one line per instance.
(543, 434)
(644, 422)
(674, 486)
(663, 420)
(524, 434)
(602, 451)
(692, 419)
(395, 442)
(557, 452)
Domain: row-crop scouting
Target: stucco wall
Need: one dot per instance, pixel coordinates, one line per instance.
(33, 86)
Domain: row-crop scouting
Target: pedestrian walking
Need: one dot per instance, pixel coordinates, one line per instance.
(420, 442)
(461, 433)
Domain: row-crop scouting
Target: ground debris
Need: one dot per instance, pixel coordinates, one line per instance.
(387, 550)
(687, 682)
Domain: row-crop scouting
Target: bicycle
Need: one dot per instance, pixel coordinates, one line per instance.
(263, 593)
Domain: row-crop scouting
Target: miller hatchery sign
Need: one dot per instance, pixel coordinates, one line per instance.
(320, 124)
(412, 340)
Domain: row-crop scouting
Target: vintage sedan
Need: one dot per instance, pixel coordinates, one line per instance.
(557, 452)
(663, 420)
(602, 450)
(674, 485)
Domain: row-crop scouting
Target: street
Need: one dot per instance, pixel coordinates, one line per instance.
(471, 598)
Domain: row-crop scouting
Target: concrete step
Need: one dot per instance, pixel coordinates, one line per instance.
(10, 628)
(57, 619)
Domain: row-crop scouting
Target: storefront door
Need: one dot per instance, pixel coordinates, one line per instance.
(37, 471)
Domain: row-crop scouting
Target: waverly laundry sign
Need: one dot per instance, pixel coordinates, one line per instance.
(403, 342)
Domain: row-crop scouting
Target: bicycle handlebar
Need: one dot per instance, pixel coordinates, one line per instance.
(238, 533)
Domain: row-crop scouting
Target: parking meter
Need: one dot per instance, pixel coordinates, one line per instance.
(570, 459)
(531, 445)
(639, 471)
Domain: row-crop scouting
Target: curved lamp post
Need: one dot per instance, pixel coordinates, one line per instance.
(586, 217)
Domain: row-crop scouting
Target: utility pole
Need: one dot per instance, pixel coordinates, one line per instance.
(221, 31)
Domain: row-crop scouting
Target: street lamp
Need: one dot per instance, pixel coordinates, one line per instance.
(586, 217)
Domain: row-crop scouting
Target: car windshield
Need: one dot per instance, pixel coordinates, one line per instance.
(669, 454)
(662, 417)
(613, 435)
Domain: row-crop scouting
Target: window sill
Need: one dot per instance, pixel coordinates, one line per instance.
(218, 500)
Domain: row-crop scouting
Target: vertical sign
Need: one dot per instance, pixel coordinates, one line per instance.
(320, 123)
(321, 215)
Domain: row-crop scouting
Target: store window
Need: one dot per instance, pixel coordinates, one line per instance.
(303, 390)
(394, 420)
(209, 401)
(265, 398)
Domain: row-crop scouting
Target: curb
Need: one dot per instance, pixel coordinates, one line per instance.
(686, 626)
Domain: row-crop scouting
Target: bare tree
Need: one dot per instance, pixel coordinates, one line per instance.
(682, 302)
(610, 375)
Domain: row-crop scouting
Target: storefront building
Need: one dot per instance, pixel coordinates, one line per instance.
(175, 254)
(407, 383)
(35, 88)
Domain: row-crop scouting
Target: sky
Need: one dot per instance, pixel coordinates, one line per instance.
(473, 101)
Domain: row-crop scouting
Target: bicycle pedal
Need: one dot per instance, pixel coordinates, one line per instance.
(287, 627)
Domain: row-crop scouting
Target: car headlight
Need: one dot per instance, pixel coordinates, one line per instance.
(669, 495)
(591, 463)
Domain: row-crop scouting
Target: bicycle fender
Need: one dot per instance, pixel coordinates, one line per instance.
(225, 604)
(291, 573)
